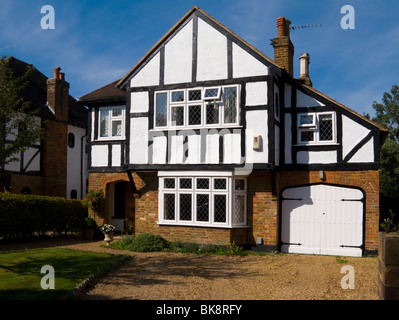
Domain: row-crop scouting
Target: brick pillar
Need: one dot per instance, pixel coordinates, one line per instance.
(283, 47)
(388, 266)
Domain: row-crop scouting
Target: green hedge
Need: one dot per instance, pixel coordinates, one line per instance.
(24, 216)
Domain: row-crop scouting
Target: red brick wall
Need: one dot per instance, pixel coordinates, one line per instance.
(262, 205)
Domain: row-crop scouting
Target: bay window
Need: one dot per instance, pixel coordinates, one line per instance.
(213, 201)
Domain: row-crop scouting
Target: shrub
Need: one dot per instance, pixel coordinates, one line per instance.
(147, 242)
(24, 216)
(89, 223)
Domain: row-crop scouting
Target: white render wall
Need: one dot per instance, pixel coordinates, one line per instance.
(353, 133)
(245, 65)
(77, 163)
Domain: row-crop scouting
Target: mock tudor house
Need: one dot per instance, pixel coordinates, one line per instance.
(57, 165)
(208, 140)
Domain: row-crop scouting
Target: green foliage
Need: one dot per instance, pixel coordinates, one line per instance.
(388, 225)
(16, 116)
(94, 199)
(387, 115)
(231, 249)
(148, 242)
(89, 223)
(24, 216)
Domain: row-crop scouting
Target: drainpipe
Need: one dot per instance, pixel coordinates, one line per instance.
(81, 165)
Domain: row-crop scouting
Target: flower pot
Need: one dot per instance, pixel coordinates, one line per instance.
(88, 234)
(108, 237)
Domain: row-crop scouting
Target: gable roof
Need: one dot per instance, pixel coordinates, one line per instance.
(36, 93)
(107, 93)
(202, 14)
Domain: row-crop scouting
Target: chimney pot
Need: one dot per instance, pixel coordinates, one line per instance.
(304, 68)
(57, 72)
(283, 47)
(62, 76)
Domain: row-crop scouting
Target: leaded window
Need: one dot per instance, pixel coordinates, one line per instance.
(207, 201)
(316, 128)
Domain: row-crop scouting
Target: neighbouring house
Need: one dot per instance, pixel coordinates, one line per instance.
(208, 140)
(57, 165)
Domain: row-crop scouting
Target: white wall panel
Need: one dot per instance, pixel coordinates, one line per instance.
(352, 134)
(256, 93)
(256, 123)
(148, 75)
(116, 155)
(245, 65)
(212, 149)
(159, 150)
(176, 149)
(303, 100)
(178, 56)
(194, 149)
(99, 156)
(139, 102)
(310, 157)
(138, 141)
(212, 53)
(232, 148)
(365, 153)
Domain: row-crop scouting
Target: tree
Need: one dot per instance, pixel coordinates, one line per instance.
(18, 125)
(387, 115)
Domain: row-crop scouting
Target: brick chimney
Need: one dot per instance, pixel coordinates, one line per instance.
(283, 47)
(58, 95)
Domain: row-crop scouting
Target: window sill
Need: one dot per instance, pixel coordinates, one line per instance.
(316, 144)
(201, 225)
(109, 139)
(233, 126)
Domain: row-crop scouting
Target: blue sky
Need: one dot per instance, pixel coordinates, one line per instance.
(97, 42)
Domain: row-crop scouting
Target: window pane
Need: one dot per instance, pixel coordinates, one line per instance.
(202, 183)
(219, 207)
(239, 184)
(230, 105)
(177, 116)
(212, 113)
(326, 127)
(185, 207)
(219, 184)
(117, 112)
(194, 115)
(177, 96)
(211, 93)
(186, 183)
(117, 128)
(169, 183)
(305, 119)
(194, 95)
(239, 207)
(104, 122)
(161, 105)
(202, 207)
(307, 136)
(169, 206)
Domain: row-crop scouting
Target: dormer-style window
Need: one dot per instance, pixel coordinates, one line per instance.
(316, 128)
(197, 107)
(111, 123)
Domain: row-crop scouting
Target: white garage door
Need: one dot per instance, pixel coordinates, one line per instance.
(322, 219)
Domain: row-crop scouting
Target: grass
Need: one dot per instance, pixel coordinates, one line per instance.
(20, 271)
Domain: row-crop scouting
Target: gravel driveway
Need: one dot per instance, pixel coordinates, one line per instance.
(178, 276)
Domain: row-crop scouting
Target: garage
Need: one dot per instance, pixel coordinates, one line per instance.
(322, 219)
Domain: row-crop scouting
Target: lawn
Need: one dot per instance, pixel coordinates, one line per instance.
(20, 277)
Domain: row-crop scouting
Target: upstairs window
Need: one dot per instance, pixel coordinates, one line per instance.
(111, 123)
(316, 128)
(197, 107)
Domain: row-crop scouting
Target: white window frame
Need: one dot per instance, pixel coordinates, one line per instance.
(217, 97)
(315, 128)
(230, 193)
(112, 119)
(203, 102)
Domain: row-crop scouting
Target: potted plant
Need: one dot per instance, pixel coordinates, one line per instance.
(89, 226)
(108, 231)
(94, 200)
